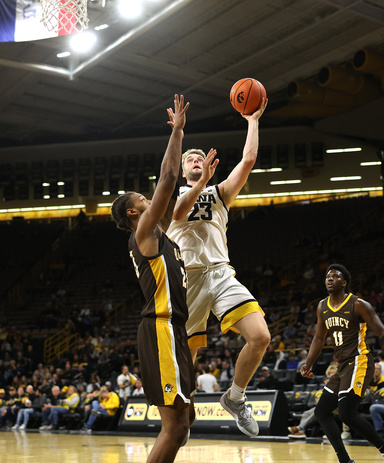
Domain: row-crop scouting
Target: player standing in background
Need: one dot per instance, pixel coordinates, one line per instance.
(165, 360)
(199, 228)
(345, 318)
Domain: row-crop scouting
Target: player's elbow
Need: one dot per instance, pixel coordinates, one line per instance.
(249, 160)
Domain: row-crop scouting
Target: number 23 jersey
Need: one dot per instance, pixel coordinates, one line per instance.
(201, 235)
(346, 329)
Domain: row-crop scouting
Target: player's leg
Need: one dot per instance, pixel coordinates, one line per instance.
(324, 413)
(348, 405)
(255, 331)
(199, 307)
(174, 429)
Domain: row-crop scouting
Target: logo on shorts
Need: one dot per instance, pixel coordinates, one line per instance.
(168, 387)
(358, 384)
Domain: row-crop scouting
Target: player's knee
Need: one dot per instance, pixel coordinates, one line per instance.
(179, 432)
(259, 341)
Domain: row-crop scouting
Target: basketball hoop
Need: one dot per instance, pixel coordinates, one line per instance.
(64, 16)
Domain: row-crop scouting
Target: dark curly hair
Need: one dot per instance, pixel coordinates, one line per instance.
(119, 211)
(342, 270)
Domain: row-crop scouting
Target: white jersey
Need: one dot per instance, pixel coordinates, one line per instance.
(201, 235)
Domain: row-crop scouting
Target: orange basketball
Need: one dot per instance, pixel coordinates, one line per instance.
(246, 95)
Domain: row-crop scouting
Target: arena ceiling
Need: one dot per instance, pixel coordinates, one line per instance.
(200, 48)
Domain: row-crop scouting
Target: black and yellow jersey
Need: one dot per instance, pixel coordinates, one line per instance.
(347, 330)
(162, 279)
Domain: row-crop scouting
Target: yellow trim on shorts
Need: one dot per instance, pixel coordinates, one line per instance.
(199, 340)
(237, 314)
(361, 371)
(166, 361)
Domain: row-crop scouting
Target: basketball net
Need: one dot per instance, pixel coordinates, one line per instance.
(64, 16)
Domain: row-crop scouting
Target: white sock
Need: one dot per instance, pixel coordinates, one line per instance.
(236, 393)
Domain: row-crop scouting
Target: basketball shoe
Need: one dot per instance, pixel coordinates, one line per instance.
(242, 415)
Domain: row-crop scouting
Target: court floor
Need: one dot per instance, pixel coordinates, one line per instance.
(16, 447)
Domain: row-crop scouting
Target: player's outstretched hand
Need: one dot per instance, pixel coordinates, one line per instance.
(306, 372)
(177, 118)
(257, 114)
(209, 166)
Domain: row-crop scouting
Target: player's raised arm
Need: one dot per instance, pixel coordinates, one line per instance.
(231, 187)
(169, 172)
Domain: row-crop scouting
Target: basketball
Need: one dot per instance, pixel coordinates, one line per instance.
(246, 95)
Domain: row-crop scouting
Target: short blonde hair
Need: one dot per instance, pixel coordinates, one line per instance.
(192, 151)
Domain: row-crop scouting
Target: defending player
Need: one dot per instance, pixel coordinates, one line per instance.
(345, 318)
(199, 228)
(165, 360)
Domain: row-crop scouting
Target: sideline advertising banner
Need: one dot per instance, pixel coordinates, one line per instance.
(269, 409)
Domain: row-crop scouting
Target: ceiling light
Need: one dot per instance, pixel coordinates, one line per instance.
(46, 196)
(60, 183)
(152, 177)
(370, 163)
(130, 8)
(343, 179)
(101, 27)
(284, 182)
(64, 54)
(260, 171)
(82, 42)
(343, 150)
(46, 184)
(61, 196)
(121, 192)
(106, 193)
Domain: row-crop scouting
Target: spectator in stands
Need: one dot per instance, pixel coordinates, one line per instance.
(310, 314)
(107, 405)
(138, 390)
(270, 355)
(69, 405)
(377, 409)
(292, 362)
(2, 397)
(266, 380)
(214, 369)
(125, 380)
(289, 331)
(280, 363)
(207, 382)
(32, 408)
(380, 356)
(227, 371)
(278, 343)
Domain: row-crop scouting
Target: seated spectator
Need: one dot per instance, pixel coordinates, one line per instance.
(266, 380)
(280, 363)
(289, 331)
(227, 371)
(13, 404)
(32, 408)
(107, 405)
(270, 355)
(69, 405)
(278, 343)
(124, 381)
(215, 370)
(138, 390)
(292, 362)
(207, 382)
(55, 398)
